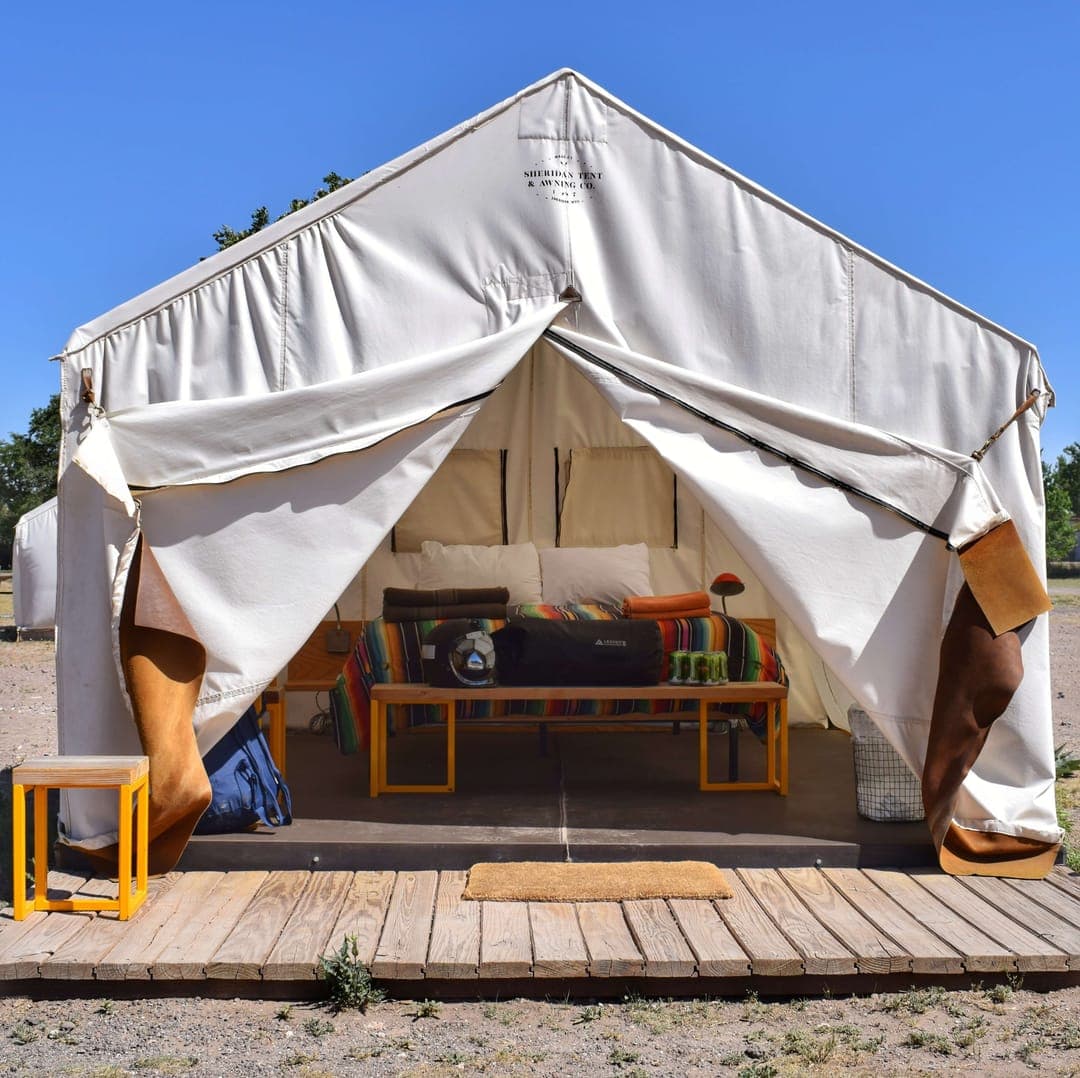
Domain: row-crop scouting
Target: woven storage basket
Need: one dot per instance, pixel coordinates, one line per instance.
(885, 788)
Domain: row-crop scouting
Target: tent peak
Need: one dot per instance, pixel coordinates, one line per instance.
(220, 264)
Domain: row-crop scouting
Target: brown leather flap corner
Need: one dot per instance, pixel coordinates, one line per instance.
(988, 853)
(1004, 582)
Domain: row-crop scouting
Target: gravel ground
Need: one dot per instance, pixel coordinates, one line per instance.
(1002, 1028)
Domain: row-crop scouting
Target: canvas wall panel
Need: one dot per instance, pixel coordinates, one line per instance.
(455, 248)
(668, 249)
(222, 340)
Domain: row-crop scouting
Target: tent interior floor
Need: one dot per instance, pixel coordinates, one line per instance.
(595, 796)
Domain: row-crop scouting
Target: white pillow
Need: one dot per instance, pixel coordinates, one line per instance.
(516, 567)
(610, 574)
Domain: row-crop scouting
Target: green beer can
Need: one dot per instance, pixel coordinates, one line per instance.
(678, 667)
(710, 668)
(721, 658)
(716, 667)
(697, 668)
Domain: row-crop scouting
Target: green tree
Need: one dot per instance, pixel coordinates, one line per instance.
(28, 469)
(1067, 473)
(1060, 534)
(260, 218)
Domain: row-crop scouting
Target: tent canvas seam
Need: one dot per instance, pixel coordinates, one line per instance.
(230, 694)
(283, 302)
(851, 331)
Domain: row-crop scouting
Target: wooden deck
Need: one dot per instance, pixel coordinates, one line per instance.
(261, 933)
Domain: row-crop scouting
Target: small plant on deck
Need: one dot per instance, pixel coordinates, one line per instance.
(349, 980)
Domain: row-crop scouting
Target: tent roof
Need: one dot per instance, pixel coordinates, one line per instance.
(224, 262)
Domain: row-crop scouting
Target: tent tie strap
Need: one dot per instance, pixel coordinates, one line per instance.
(981, 451)
(89, 397)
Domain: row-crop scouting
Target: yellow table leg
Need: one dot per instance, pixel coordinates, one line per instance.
(386, 719)
(274, 701)
(18, 851)
(703, 745)
(373, 747)
(770, 745)
(783, 747)
(123, 857)
(451, 745)
(41, 847)
(384, 785)
(142, 853)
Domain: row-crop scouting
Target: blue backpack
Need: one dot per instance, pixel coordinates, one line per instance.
(247, 786)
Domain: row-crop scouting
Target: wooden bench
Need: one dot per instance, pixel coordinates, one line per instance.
(733, 692)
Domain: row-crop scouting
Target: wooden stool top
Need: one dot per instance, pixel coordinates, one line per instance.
(74, 771)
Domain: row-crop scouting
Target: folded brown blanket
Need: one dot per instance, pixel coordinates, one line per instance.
(444, 596)
(690, 604)
(442, 613)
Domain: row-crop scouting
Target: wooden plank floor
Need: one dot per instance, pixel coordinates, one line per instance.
(413, 928)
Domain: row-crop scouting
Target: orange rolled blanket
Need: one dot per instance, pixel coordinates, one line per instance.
(690, 604)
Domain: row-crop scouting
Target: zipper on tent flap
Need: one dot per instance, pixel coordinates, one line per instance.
(750, 439)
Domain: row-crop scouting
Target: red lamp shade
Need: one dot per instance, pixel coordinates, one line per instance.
(727, 584)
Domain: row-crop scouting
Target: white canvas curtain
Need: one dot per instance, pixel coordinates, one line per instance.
(867, 587)
(33, 563)
(259, 511)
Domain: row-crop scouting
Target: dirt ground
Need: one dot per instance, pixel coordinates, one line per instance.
(997, 1028)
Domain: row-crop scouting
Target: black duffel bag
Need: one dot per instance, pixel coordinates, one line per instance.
(534, 651)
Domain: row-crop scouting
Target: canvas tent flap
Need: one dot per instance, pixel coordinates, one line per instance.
(216, 441)
(853, 570)
(225, 565)
(936, 488)
(33, 563)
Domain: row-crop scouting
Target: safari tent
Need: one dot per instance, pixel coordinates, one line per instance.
(33, 563)
(556, 275)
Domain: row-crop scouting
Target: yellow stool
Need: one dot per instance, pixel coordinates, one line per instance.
(130, 775)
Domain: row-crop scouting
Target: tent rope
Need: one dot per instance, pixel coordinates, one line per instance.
(750, 439)
(981, 451)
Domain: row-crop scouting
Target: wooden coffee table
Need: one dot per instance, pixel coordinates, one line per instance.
(733, 692)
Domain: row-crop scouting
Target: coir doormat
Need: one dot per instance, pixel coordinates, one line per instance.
(556, 881)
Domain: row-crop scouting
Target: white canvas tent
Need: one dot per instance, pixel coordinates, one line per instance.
(263, 420)
(33, 563)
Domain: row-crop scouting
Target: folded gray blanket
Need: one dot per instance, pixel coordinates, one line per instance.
(444, 612)
(444, 596)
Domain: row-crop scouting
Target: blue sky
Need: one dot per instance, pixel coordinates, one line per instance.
(943, 136)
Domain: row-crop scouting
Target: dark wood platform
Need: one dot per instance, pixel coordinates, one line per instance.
(595, 796)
